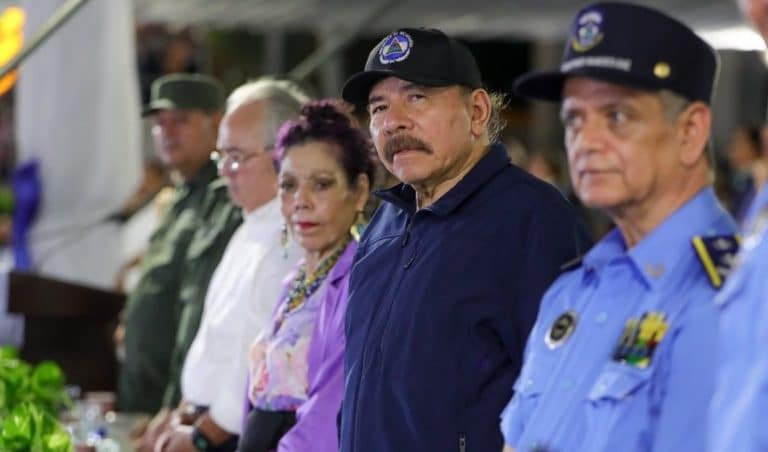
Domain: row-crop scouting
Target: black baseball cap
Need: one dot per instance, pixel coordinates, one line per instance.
(629, 45)
(185, 92)
(425, 56)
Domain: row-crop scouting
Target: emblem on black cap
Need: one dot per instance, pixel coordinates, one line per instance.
(395, 47)
(589, 33)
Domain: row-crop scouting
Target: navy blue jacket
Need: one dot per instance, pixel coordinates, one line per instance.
(441, 304)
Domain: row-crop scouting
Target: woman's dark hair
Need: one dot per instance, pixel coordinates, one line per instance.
(328, 122)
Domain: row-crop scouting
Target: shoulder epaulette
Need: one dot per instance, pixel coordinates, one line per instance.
(717, 255)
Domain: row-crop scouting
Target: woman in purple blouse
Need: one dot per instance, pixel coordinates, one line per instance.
(297, 366)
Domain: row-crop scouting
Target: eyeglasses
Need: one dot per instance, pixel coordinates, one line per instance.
(231, 162)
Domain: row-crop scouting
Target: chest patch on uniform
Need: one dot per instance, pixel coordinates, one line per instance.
(640, 338)
(561, 329)
(717, 255)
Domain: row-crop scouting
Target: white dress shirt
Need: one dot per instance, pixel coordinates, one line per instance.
(241, 297)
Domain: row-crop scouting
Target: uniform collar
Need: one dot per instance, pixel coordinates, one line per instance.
(202, 181)
(658, 254)
(204, 176)
(404, 197)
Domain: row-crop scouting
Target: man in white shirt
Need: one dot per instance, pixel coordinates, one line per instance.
(249, 278)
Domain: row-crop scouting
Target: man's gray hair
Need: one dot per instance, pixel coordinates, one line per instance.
(496, 123)
(673, 104)
(284, 101)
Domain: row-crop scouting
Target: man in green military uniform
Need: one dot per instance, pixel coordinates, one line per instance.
(220, 220)
(188, 243)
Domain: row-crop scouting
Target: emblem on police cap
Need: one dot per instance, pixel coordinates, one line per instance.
(395, 47)
(589, 32)
(561, 329)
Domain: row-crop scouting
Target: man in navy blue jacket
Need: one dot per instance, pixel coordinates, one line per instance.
(449, 274)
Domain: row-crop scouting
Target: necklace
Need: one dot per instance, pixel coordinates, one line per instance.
(303, 286)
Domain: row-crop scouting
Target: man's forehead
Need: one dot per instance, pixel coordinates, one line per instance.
(190, 114)
(176, 112)
(589, 88)
(394, 85)
(389, 84)
(245, 130)
(252, 111)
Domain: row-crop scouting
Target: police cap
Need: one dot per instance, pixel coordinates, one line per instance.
(630, 45)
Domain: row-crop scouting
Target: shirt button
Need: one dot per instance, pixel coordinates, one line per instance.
(655, 271)
(410, 261)
(567, 383)
(602, 317)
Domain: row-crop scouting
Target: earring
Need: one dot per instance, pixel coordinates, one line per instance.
(358, 227)
(284, 240)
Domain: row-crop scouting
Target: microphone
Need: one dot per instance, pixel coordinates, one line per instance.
(126, 212)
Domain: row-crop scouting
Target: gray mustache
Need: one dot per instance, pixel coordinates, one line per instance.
(400, 142)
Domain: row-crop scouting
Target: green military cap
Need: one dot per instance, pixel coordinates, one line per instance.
(185, 92)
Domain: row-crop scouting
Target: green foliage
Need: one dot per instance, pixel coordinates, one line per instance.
(30, 400)
(6, 200)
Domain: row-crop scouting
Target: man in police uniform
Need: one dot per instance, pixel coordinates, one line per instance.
(740, 403)
(448, 276)
(756, 12)
(188, 243)
(620, 357)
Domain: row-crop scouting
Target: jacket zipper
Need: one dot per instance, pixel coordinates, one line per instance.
(395, 287)
(462, 443)
(370, 341)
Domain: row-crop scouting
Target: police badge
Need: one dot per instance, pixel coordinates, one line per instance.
(561, 329)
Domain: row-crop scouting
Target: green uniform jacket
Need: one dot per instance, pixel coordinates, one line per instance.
(205, 252)
(153, 308)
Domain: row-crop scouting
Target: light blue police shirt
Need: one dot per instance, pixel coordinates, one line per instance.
(574, 396)
(740, 404)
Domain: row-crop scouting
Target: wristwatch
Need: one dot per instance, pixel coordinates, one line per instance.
(191, 412)
(201, 442)
(204, 444)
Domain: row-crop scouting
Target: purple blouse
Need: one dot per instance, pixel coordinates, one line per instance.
(305, 366)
